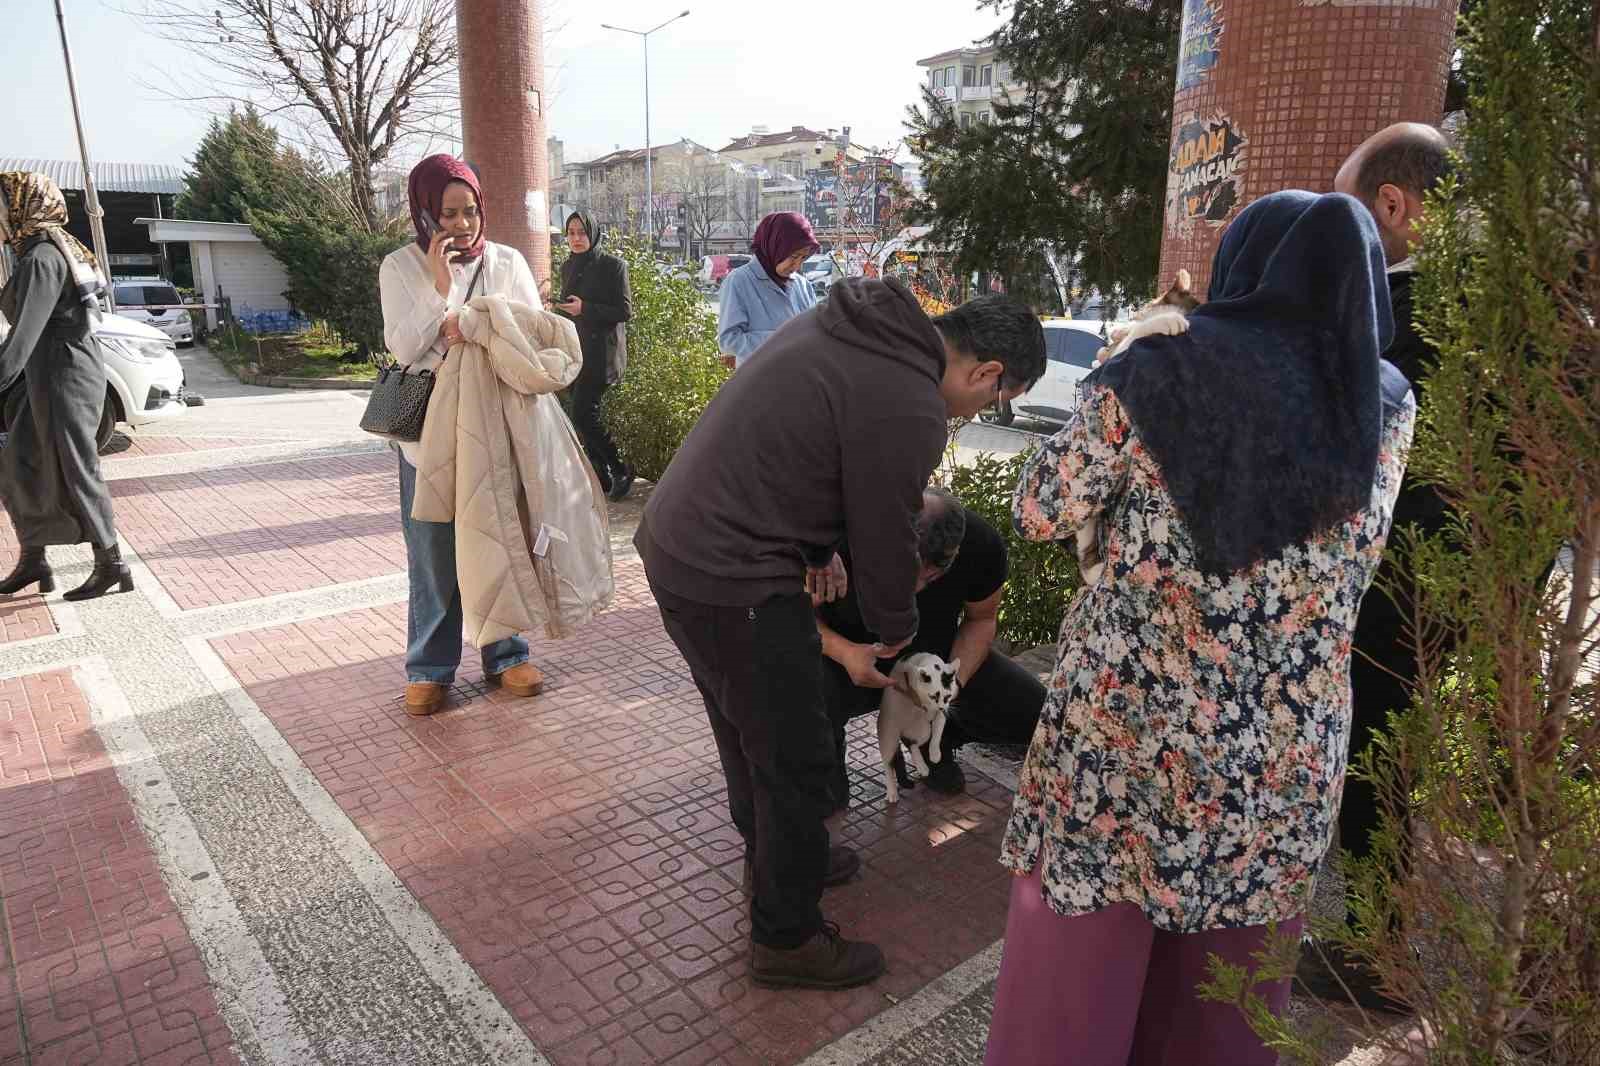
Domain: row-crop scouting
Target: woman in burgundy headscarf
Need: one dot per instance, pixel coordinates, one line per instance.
(767, 291)
(424, 284)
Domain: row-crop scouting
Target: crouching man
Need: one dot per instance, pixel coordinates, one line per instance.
(960, 581)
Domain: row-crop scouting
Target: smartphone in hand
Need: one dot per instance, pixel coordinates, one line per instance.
(432, 228)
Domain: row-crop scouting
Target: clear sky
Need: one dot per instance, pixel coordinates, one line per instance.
(731, 65)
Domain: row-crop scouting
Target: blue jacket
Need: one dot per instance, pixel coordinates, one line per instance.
(754, 306)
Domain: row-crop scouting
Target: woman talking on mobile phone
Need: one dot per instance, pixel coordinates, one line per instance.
(423, 286)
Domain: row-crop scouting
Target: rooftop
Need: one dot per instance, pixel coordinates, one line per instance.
(108, 177)
(974, 50)
(793, 135)
(629, 155)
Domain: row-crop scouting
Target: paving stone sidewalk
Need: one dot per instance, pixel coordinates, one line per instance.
(222, 839)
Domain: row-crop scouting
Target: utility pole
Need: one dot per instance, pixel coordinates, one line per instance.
(649, 176)
(97, 228)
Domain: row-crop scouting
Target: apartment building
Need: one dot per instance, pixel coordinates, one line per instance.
(967, 81)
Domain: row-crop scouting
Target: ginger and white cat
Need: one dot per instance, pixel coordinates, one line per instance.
(1166, 315)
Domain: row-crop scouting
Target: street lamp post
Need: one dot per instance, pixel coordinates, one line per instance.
(91, 196)
(649, 176)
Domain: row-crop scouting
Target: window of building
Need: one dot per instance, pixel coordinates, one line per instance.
(966, 121)
(950, 76)
(985, 118)
(969, 76)
(986, 76)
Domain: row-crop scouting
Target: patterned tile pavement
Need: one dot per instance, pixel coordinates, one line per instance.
(21, 617)
(240, 533)
(143, 445)
(96, 965)
(576, 848)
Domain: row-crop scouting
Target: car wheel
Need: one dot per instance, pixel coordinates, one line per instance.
(108, 422)
(1001, 415)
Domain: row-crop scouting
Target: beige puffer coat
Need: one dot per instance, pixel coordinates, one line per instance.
(500, 459)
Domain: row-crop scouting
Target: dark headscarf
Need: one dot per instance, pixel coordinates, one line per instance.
(425, 190)
(573, 269)
(1265, 416)
(778, 236)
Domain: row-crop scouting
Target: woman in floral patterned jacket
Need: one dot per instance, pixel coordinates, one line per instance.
(1181, 787)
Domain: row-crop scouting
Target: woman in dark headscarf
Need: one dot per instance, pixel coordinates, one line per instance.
(50, 478)
(595, 294)
(423, 286)
(1180, 790)
(767, 291)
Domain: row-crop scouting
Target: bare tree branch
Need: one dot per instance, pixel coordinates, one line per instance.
(369, 74)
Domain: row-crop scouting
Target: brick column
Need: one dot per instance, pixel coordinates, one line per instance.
(503, 120)
(1273, 94)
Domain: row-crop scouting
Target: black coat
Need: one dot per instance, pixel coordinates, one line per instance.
(1384, 613)
(601, 282)
(50, 480)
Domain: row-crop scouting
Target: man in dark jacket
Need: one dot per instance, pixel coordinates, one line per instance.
(829, 437)
(1391, 172)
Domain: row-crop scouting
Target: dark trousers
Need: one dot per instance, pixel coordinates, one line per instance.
(587, 393)
(759, 672)
(1000, 704)
(1382, 671)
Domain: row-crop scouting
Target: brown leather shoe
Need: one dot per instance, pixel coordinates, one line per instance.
(827, 960)
(524, 679)
(424, 698)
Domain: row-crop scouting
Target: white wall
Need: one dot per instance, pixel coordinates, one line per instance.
(249, 276)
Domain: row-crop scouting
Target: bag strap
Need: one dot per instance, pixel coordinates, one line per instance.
(471, 287)
(481, 260)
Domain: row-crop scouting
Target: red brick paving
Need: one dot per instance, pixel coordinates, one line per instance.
(23, 616)
(225, 536)
(141, 445)
(95, 963)
(576, 847)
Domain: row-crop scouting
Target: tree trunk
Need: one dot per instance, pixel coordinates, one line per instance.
(361, 196)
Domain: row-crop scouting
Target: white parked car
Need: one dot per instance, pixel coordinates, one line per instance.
(136, 299)
(1070, 346)
(821, 271)
(144, 380)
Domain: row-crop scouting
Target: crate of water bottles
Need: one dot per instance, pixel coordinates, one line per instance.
(284, 321)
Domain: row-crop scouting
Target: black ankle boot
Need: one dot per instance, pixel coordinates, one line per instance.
(31, 567)
(621, 483)
(109, 572)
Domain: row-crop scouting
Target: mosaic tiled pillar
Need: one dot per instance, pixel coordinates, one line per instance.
(503, 120)
(1274, 94)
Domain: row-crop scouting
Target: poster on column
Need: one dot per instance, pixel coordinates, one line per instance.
(1205, 171)
(1201, 44)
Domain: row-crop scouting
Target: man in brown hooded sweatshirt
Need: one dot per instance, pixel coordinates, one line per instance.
(828, 434)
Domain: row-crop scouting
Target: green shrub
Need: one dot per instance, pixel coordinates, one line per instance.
(333, 271)
(1043, 576)
(673, 364)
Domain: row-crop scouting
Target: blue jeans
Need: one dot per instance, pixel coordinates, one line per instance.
(433, 622)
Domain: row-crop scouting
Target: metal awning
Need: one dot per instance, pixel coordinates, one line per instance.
(108, 177)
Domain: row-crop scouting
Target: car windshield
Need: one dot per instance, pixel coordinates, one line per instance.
(1074, 347)
(142, 295)
(817, 264)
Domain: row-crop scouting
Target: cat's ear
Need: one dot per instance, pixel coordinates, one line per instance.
(1184, 283)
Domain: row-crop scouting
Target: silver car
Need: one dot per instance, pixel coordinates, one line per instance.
(152, 302)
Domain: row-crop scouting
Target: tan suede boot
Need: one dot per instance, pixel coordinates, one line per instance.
(424, 698)
(524, 679)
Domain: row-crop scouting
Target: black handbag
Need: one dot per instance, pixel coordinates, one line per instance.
(398, 403)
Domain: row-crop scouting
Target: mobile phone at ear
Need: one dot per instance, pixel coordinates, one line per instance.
(430, 226)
